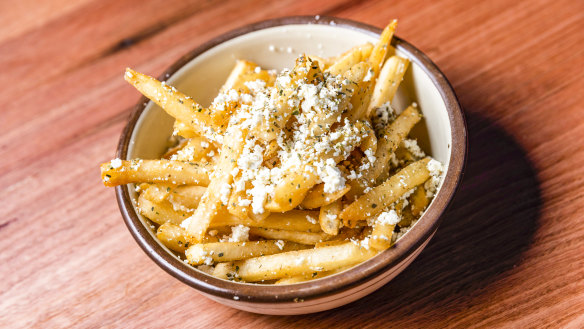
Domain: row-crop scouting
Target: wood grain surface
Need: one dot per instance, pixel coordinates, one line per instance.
(509, 254)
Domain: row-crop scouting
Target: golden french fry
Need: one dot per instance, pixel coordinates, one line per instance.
(186, 196)
(374, 201)
(269, 129)
(182, 129)
(329, 219)
(294, 220)
(293, 189)
(383, 229)
(311, 276)
(388, 81)
(301, 262)
(175, 103)
(317, 197)
(294, 236)
(208, 253)
(389, 140)
(160, 212)
(195, 149)
(119, 172)
(217, 194)
(353, 56)
(172, 151)
(157, 192)
(380, 49)
(419, 201)
(226, 271)
(176, 238)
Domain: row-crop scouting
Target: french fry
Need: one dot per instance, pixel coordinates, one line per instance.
(270, 127)
(317, 197)
(302, 262)
(388, 81)
(212, 200)
(323, 63)
(326, 117)
(182, 129)
(119, 172)
(329, 219)
(361, 100)
(160, 212)
(374, 201)
(207, 253)
(226, 271)
(195, 149)
(294, 220)
(419, 201)
(172, 151)
(175, 103)
(176, 238)
(380, 49)
(186, 196)
(293, 189)
(390, 139)
(311, 276)
(157, 192)
(383, 230)
(353, 56)
(294, 236)
(244, 71)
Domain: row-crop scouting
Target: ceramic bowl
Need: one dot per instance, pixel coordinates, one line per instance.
(275, 44)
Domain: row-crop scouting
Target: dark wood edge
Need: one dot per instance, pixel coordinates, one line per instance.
(327, 286)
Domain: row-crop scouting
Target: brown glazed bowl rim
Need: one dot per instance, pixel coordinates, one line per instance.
(327, 286)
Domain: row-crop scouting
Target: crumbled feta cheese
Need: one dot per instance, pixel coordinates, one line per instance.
(280, 244)
(311, 219)
(388, 218)
(239, 233)
(116, 163)
(434, 167)
(225, 192)
(412, 146)
(369, 75)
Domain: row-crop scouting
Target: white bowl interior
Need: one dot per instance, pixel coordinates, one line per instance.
(202, 77)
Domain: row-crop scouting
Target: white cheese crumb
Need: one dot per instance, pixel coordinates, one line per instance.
(331, 176)
(225, 192)
(239, 233)
(369, 75)
(310, 219)
(412, 146)
(388, 218)
(280, 244)
(365, 243)
(370, 155)
(185, 223)
(434, 167)
(235, 297)
(116, 163)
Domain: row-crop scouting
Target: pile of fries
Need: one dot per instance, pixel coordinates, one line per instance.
(286, 177)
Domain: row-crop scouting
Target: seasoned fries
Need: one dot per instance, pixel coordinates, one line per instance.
(286, 177)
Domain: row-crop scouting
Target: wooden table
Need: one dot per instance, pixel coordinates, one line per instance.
(509, 254)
